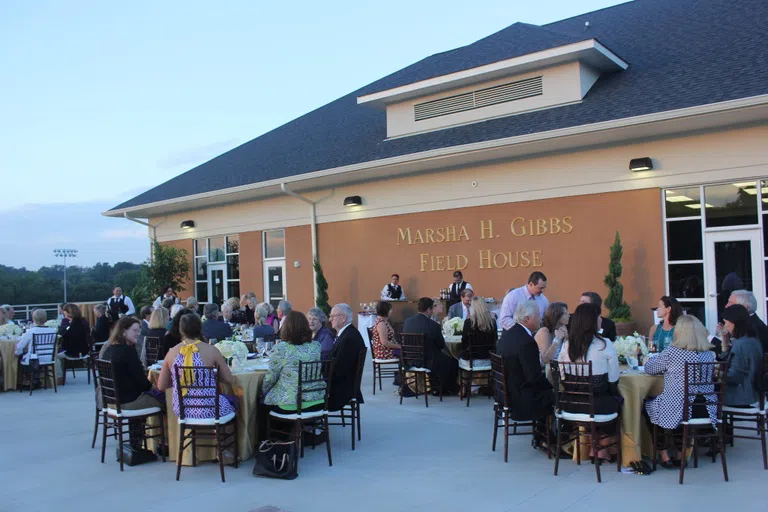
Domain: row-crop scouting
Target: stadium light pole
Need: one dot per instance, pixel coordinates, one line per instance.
(65, 253)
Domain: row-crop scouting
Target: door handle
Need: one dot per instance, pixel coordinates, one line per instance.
(711, 294)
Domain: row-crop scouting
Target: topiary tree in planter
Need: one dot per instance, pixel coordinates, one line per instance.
(619, 309)
(321, 301)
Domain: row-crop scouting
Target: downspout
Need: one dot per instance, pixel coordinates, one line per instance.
(147, 224)
(313, 229)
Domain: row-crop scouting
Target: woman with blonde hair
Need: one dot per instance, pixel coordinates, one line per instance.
(482, 324)
(158, 324)
(238, 315)
(689, 345)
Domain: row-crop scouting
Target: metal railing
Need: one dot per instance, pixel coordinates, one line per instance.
(24, 311)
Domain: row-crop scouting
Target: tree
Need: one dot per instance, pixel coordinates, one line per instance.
(615, 301)
(321, 301)
(168, 267)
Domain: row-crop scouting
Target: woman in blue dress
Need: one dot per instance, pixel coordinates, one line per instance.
(663, 333)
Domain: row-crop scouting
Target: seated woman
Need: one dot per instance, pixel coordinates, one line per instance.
(384, 342)
(272, 318)
(586, 345)
(248, 303)
(193, 351)
(261, 327)
(481, 323)
(689, 345)
(553, 331)
(237, 315)
(157, 323)
(746, 353)
(282, 380)
(173, 335)
(320, 331)
(100, 332)
(127, 369)
(173, 312)
(76, 335)
(662, 334)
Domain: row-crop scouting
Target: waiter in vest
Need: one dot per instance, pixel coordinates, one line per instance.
(119, 305)
(458, 286)
(393, 290)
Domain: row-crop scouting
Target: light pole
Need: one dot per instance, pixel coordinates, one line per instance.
(65, 253)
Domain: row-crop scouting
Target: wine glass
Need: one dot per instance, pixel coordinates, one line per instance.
(260, 347)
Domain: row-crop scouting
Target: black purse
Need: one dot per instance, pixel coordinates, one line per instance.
(135, 456)
(276, 460)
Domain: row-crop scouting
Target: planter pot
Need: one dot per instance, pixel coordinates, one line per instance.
(626, 328)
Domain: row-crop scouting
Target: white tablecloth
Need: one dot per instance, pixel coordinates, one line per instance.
(363, 323)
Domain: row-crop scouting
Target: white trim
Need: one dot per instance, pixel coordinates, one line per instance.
(514, 65)
(712, 108)
(675, 219)
(684, 262)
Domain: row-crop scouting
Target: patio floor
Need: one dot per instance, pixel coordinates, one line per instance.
(410, 458)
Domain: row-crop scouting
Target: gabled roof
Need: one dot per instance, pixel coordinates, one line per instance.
(682, 53)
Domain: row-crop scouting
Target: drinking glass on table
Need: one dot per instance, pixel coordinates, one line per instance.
(261, 347)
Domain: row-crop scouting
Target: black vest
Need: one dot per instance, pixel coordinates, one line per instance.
(394, 293)
(116, 306)
(456, 292)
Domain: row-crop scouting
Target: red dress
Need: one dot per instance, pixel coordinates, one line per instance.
(379, 350)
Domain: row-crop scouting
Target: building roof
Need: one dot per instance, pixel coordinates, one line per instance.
(682, 53)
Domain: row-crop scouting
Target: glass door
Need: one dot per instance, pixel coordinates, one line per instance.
(734, 262)
(274, 281)
(216, 283)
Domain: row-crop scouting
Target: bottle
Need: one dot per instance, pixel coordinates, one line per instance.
(639, 356)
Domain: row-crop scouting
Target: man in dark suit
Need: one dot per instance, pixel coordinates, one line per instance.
(607, 325)
(528, 390)
(747, 299)
(444, 368)
(213, 327)
(345, 352)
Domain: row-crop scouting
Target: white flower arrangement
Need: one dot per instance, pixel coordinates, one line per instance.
(628, 345)
(10, 330)
(453, 326)
(229, 349)
(53, 324)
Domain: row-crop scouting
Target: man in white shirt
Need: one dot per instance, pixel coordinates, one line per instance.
(119, 305)
(24, 346)
(464, 308)
(533, 290)
(393, 290)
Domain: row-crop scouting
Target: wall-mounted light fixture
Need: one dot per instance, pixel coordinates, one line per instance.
(353, 201)
(188, 224)
(641, 164)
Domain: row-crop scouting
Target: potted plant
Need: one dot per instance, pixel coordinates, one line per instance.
(619, 310)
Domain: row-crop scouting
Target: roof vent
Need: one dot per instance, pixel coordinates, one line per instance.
(477, 99)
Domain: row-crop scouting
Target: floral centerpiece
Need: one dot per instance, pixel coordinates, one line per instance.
(629, 345)
(233, 349)
(11, 330)
(53, 324)
(453, 326)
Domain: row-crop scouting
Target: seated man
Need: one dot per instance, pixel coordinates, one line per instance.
(349, 343)
(528, 390)
(444, 368)
(213, 327)
(464, 308)
(24, 346)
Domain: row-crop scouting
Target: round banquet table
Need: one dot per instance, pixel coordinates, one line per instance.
(634, 387)
(8, 354)
(453, 345)
(365, 321)
(250, 378)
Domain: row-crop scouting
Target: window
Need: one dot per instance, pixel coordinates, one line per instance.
(201, 270)
(733, 204)
(685, 248)
(220, 255)
(274, 244)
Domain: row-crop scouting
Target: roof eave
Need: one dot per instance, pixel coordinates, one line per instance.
(743, 110)
(590, 51)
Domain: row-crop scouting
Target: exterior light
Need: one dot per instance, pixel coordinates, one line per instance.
(188, 224)
(353, 201)
(641, 164)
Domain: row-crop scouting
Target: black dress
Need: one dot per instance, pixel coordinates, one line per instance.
(76, 338)
(483, 337)
(101, 330)
(128, 371)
